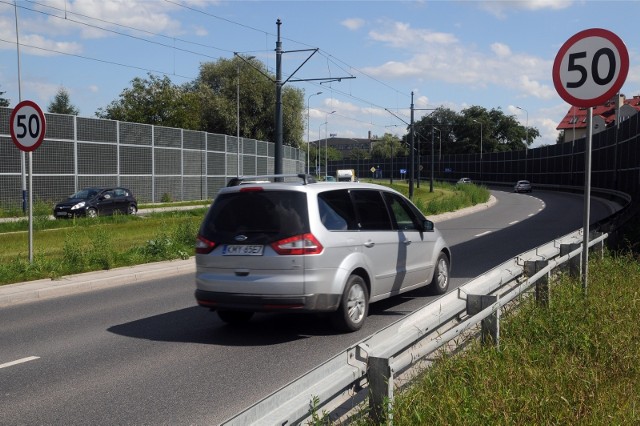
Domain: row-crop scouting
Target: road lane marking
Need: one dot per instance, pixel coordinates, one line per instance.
(484, 233)
(514, 222)
(19, 361)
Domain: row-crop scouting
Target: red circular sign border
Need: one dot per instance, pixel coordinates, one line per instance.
(12, 130)
(622, 76)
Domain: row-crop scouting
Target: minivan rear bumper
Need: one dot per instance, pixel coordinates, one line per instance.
(268, 303)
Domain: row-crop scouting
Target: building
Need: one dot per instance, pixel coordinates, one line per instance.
(345, 145)
(574, 123)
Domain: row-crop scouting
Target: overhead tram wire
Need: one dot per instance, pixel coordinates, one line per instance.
(330, 58)
(100, 60)
(122, 26)
(327, 55)
(122, 34)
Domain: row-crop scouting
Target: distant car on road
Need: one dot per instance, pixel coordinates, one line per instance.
(464, 180)
(522, 186)
(92, 202)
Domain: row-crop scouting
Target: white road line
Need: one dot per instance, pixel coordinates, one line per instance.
(19, 361)
(514, 222)
(484, 233)
(532, 214)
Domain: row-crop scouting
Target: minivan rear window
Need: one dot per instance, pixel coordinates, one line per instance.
(277, 213)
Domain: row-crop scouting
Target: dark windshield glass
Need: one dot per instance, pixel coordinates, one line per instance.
(85, 194)
(263, 214)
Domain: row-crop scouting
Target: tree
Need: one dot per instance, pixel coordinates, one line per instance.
(3, 102)
(222, 80)
(389, 146)
(61, 104)
(159, 102)
(473, 129)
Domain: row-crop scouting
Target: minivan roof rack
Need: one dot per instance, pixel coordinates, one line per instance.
(306, 179)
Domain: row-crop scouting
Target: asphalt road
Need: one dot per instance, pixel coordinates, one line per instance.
(146, 354)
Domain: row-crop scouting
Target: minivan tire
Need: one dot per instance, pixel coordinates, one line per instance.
(354, 305)
(440, 281)
(235, 317)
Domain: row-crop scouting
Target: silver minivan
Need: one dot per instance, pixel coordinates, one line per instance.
(307, 246)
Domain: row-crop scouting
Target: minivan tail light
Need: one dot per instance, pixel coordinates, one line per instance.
(299, 244)
(204, 246)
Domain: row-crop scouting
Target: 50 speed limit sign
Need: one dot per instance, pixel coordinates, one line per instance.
(27, 126)
(590, 67)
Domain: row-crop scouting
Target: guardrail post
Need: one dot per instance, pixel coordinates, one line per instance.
(380, 379)
(574, 262)
(592, 236)
(542, 285)
(490, 326)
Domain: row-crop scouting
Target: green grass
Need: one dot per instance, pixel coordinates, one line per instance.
(444, 198)
(65, 247)
(575, 362)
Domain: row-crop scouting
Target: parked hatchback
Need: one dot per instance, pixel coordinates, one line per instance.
(92, 202)
(311, 246)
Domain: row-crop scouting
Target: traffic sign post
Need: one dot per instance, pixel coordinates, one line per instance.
(589, 69)
(28, 127)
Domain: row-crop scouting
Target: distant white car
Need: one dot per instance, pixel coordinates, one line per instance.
(464, 180)
(522, 186)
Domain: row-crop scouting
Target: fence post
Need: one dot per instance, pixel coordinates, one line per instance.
(574, 262)
(490, 326)
(380, 379)
(542, 285)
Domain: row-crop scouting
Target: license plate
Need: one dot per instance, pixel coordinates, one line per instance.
(242, 250)
(61, 214)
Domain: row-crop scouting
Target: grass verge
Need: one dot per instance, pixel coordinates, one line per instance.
(575, 362)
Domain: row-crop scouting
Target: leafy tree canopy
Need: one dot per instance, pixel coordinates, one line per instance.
(389, 146)
(3, 101)
(159, 102)
(61, 104)
(223, 92)
(467, 131)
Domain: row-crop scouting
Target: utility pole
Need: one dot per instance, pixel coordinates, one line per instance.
(278, 122)
(411, 155)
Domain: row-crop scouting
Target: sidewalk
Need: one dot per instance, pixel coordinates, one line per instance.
(30, 291)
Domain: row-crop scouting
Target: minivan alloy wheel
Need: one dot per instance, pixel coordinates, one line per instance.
(354, 306)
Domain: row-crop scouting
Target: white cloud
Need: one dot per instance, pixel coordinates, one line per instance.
(501, 49)
(353, 23)
(500, 9)
(47, 47)
(401, 35)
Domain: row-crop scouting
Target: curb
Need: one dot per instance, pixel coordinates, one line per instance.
(12, 294)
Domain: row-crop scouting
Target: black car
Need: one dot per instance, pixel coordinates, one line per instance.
(92, 202)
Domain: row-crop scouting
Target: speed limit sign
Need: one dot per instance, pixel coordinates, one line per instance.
(27, 126)
(590, 67)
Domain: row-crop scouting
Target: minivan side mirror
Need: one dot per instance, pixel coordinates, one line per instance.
(427, 225)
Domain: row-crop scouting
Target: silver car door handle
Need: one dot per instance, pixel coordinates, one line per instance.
(369, 244)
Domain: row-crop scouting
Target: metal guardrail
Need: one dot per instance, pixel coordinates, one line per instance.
(376, 360)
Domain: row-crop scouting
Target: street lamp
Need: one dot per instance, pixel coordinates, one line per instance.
(308, 130)
(238, 111)
(319, 145)
(326, 144)
(480, 123)
(526, 129)
(526, 144)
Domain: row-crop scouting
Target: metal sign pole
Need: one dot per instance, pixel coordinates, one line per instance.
(587, 200)
(30, 207)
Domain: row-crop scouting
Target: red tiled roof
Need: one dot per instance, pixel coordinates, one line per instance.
(576, 117)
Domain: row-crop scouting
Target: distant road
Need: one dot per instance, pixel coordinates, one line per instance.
(146, 354)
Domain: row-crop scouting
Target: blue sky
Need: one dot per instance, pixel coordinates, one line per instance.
(456, 54)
